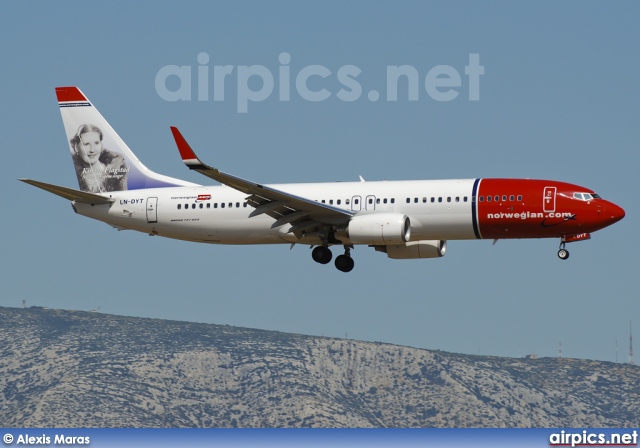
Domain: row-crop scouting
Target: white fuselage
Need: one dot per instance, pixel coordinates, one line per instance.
(439, 209)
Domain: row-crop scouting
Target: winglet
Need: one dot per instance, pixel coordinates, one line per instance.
(188, 156)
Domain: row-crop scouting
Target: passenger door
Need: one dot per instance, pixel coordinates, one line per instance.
(152, 212)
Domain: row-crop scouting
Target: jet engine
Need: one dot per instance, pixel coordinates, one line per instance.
(376, 228)
(416, 249)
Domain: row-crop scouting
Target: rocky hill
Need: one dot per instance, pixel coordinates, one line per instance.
(80, 369)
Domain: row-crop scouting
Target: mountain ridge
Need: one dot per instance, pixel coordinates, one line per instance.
(85, 369)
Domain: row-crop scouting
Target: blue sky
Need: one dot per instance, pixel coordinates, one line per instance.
(558, 100)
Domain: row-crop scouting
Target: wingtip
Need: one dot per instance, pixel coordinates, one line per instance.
(186, 153)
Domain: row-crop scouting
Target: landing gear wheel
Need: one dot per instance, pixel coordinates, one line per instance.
(563, 254)
(344, 263)
(321, 254)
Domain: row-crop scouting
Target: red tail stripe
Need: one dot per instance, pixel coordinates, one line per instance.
(66, 94)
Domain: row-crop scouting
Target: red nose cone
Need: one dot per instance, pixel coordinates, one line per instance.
(614, 213)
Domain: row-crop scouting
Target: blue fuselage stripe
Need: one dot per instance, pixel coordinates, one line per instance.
(474, 209)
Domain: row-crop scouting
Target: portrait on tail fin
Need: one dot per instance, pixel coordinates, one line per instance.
(98, 169)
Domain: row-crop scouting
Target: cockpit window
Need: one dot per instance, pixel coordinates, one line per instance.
(586, 196)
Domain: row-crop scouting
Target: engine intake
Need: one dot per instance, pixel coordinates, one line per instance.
(376, 228)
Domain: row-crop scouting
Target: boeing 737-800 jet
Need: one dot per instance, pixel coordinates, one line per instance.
(404, 219)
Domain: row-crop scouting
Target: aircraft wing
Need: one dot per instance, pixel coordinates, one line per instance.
(70, 193)
(303, 214)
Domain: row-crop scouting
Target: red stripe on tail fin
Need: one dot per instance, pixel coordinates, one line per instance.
(66, 94)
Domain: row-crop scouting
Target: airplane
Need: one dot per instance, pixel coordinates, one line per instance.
(404, 219)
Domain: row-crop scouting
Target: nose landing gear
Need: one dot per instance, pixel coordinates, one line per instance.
(563, 253)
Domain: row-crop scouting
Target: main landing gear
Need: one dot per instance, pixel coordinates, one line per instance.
(344, 262)
(563, 253)
(322, 255)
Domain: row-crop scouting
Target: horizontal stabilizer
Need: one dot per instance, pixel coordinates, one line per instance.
(70, 193)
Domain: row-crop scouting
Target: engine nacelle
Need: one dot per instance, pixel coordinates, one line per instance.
(417, 249)
(376, 228)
